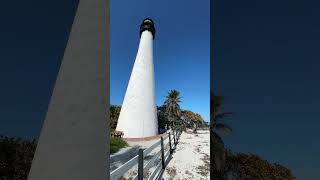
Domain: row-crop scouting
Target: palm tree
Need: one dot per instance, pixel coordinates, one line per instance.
(218, 115)
(217, 145)
(172, 104)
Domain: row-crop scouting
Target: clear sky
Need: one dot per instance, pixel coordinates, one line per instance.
(33, 36)
(266, 64)
(181, 49)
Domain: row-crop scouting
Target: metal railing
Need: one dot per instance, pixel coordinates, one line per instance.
(166, 149)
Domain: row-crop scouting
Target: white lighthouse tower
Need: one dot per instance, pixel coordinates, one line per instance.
(138, 115)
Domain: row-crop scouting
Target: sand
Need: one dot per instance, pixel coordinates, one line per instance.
(191, 159)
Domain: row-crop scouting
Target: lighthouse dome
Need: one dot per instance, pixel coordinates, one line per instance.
(147, 25)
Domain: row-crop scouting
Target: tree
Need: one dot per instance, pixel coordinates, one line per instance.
(218, 115)
(217, 146)
(172, 103)
(16, 157)
(189, 118)
(250, 166)
(114, 115)
(162, 117)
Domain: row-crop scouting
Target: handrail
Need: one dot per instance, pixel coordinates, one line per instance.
(149, 149)
(124, 168)
(162, 154)
(153, 174)
(149, 163)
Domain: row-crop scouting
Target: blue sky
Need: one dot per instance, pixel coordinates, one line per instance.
(266, 64)
(33, 37)
(181, 49)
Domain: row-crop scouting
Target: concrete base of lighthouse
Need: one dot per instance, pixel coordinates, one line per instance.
(144, 142)
(150, 138)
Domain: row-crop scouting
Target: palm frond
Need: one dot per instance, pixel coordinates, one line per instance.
(223, 115)
(223, 127)
(216, 139)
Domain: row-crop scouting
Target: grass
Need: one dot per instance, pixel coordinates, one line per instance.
(116, 144)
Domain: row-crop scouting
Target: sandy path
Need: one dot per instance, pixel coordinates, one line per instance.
(191, 159)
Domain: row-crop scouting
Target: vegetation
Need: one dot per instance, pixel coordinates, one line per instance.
(179, 127)
(172, 104)
(250, 166)
(15, 157)
(114, 115)
(189, 118)
(116, 144)
(171, 114)
(217, 146)
(163, 121)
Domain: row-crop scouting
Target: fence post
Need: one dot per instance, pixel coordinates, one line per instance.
(140, 165)
(177, 135)
(170, 143)
(162, 153)
(174, 139)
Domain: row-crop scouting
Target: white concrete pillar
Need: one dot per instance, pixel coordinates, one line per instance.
(138, 116)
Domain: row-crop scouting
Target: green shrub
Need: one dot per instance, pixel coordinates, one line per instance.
(179, 127)
(116, 144)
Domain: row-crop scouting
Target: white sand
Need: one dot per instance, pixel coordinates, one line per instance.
(191, 159)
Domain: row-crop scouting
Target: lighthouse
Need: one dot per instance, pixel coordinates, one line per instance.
(138, 115)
